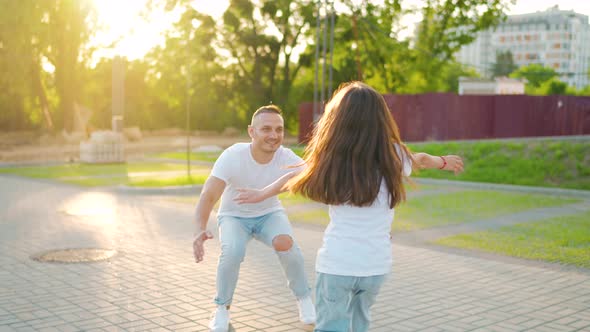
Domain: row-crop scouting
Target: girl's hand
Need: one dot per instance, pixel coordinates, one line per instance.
(453, 164)
(249, 196)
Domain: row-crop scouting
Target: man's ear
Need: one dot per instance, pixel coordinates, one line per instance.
(250, 131)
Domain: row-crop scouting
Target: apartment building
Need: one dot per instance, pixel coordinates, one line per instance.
(555, 38)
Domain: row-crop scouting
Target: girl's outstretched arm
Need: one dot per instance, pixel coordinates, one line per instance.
(451, 163)
(247, 195)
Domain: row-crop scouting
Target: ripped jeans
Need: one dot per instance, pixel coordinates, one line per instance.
(234, 235)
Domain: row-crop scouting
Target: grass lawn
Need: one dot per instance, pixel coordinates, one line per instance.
(289, 199)
(543, 163)
(441, 209)
(210, 156)
(133, 174)
(167, 182)
(317, 216)
(563, 240)
(72, 170)
(466, 206)
(197, 156)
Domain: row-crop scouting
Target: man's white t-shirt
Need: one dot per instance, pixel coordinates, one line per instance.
(238, 169)
(357, 240)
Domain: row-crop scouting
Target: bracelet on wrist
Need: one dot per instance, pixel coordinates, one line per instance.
(444, 162)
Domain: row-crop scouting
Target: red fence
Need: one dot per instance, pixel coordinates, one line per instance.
(448, 116)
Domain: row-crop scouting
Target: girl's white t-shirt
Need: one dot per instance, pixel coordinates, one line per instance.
(357, 240)
(238, 169)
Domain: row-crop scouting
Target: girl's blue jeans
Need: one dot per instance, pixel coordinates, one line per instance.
(343, 303)
(234, 235)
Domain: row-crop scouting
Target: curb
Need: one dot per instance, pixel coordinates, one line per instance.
(173, 190)
(507, 187)
(196, 189)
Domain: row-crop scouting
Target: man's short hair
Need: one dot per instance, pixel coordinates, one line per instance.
(267, 109)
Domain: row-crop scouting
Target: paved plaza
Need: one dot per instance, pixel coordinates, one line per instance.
(153, 284)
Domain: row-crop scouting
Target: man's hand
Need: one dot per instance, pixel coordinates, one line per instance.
(249, 196)
(198, 248)
(454, 164)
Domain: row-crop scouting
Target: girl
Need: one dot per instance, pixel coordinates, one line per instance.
(356, 164)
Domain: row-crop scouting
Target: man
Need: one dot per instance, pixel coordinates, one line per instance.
(251, 165)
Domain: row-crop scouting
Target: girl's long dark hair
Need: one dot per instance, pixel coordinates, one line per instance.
(352, 150)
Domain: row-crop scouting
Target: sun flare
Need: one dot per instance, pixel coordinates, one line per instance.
(131, 30)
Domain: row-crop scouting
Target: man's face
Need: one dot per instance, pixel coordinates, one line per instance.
(267, 132)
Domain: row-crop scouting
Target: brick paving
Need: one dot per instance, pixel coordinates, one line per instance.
(154, 285)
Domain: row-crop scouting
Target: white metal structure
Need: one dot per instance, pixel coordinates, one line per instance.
(497, 86)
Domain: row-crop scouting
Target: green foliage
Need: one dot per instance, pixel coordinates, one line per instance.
(22, 41)
(184, 71)
(535, 74)
(32, 32)
(543, 81)
(553, 87)
(449, 76)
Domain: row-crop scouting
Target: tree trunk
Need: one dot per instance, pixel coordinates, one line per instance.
(39, 91)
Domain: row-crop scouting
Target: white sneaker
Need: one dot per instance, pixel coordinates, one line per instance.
(220, 320)
(306, 310)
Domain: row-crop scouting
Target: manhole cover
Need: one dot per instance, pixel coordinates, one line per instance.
(75, 255)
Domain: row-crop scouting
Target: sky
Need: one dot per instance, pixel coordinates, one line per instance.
(133, 36)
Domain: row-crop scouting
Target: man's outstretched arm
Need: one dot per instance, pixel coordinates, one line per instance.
(212, 190)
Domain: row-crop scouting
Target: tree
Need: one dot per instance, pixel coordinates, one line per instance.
(554, 87)
(535, 74)
(446, 26)
(23, 95)
(393, 65)
(260, 38)
(504, 64)
(450, 76)
(384, 58)
(70, 27)
(185, 71)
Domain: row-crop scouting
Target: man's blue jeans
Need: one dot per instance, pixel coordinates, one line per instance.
(234, 235)
(343, 303)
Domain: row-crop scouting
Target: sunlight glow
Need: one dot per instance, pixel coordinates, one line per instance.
(97, 208)
(126, 32)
